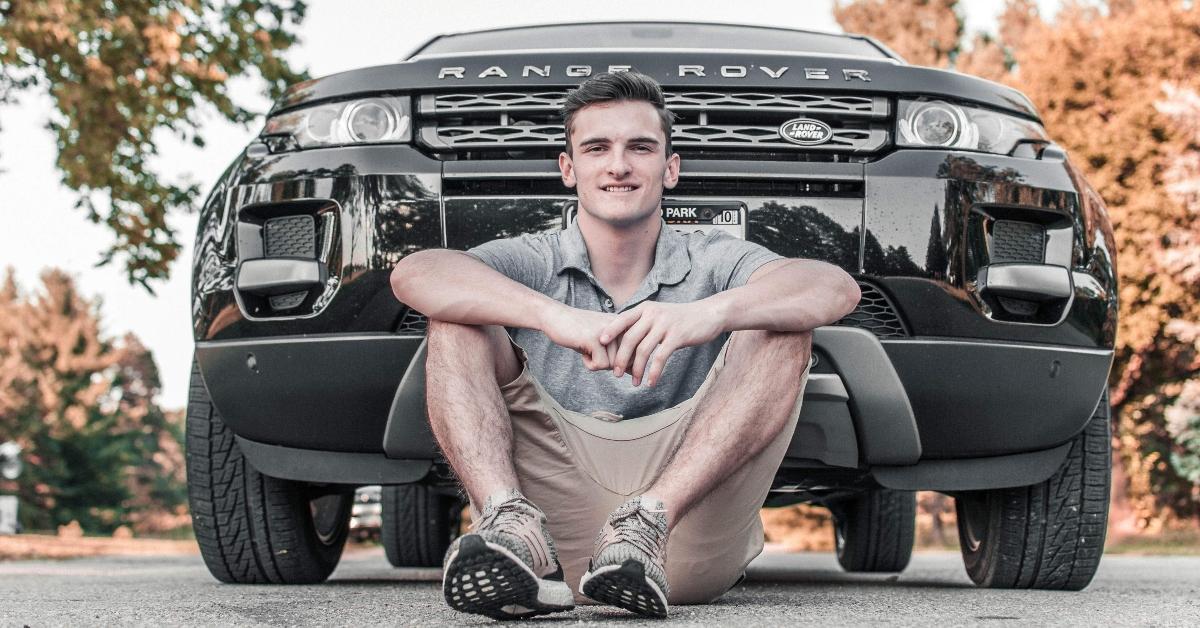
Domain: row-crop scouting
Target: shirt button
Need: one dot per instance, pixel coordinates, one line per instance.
(608, 303)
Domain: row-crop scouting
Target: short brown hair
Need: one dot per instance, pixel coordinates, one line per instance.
(614, 87)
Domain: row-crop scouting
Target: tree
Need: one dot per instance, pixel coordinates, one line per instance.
(97, 447)
(1116, 85)
(121, 72)
(925, 32)
(1182, 260)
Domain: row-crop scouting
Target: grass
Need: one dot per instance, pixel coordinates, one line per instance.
(1178, 543)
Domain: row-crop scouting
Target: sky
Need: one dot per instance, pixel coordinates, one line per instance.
(42, 229)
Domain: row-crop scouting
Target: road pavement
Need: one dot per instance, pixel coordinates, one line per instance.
(782, 590)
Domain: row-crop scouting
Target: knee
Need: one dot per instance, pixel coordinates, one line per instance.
(773, 347)
(444, 335)
(446, 332)
(437, 327)
(458, 344)
(456, 341)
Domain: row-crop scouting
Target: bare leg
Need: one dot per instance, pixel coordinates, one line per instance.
(741, 412)
(464, 369)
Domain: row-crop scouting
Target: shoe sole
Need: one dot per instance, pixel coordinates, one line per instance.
(625, 586)
(487, 579)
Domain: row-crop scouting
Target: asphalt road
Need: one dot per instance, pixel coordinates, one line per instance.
(783, 589)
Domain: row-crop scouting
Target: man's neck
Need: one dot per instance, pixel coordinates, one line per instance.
(620, 257)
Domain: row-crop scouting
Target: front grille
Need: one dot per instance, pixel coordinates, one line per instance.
(735, 125)
(874, 313)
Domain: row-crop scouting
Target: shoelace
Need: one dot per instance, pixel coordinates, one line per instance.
(638, 528)
(504, 517)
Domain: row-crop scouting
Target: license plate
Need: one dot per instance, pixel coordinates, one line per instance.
(687, 216)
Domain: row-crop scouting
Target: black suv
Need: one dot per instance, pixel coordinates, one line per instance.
(975, 364)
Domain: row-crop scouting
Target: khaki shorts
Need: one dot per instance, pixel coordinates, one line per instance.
(579, 468)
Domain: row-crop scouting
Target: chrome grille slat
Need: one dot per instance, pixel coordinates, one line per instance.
(438, 104)
(494, 135)
(455, 137)
(790, 103)
(491, 101)
(855, 140)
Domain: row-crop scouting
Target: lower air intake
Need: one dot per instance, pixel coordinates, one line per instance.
(875, 314)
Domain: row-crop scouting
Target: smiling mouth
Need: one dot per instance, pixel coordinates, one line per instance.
(619, 188)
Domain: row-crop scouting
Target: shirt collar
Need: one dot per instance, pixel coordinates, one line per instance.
(671, 258)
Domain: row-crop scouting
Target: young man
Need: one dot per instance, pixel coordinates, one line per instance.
(645, 389)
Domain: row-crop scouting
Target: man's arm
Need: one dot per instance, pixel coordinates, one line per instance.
(456, 287)
(453, 286)
(787, 295)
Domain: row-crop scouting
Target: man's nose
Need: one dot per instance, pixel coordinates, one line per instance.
(618, 166)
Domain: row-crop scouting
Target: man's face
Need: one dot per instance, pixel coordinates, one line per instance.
(619, 167)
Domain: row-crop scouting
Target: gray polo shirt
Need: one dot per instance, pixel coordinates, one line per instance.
(687, 267)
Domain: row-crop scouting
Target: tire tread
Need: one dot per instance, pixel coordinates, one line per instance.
(1050, 534)
(251, 528)
(880, 529)
(417, 525)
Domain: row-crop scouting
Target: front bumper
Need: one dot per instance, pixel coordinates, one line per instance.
(869, 404)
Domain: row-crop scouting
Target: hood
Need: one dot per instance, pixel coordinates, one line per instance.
(673, 68)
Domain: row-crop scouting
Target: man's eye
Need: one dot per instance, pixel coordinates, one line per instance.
(593, 149)
(642, 148)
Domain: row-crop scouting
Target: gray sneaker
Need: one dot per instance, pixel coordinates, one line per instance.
(506, 567)
(628, 567)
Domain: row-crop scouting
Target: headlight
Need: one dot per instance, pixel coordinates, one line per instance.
(939, 123)
(368, 121)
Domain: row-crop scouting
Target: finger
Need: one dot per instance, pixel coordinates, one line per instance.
(599, 355)
(612, 355)
(645, 348)
(629, 344)
(659, 362)
(619, 325)
(586, 353)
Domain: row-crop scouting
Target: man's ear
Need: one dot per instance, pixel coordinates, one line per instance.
(567, 168)
(671, 176)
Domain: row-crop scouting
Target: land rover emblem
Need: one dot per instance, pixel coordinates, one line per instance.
(805, 131)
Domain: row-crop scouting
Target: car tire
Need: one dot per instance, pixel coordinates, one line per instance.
(874, 530)
(1049, 535)
(419, 524)
(252, 528)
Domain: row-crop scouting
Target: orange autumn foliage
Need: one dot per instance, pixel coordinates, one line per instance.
(1116, 84)
(98, 451)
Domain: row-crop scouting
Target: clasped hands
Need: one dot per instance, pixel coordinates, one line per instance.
(638, 341)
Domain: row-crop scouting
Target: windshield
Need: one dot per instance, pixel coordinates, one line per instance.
(651, 35)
